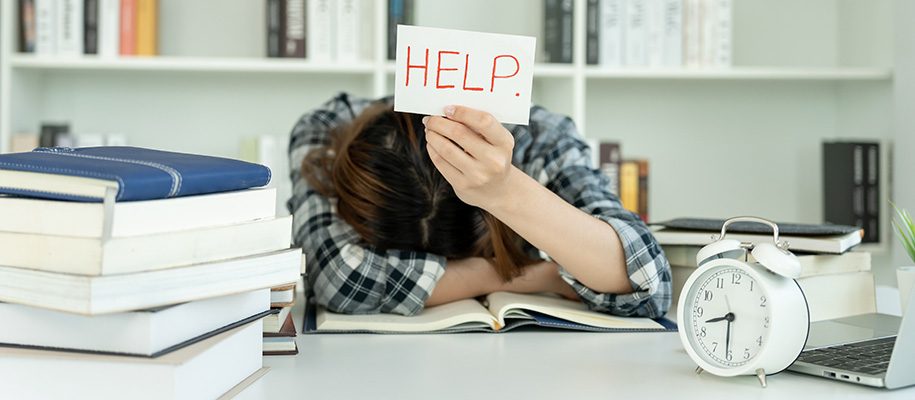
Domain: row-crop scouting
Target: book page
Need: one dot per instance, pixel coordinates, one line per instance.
(439, 317)
(502, 303)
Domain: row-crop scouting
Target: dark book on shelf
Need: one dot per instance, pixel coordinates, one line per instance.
(851, 186)
(276, 31)
(135, 173)
(27, 26)
(294, 28)
(400, 12)
(610, 160)
(592, 33)
(90, 26)
(51, 134)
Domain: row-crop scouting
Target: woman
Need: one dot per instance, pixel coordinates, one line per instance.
(397, 212)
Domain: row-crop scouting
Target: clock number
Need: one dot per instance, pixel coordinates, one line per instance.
(735, 279)
(720, 283)
(763, 301)
(702, 332)
(746, 353)
(714, 347)
(699, 312)
(759, 341)
(730, 355)
(766, 324)
(751, 286)
(708, 295)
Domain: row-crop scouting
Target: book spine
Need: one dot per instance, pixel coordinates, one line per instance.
(69, 27)
(551, 31)
(629, 185)
(90, 27)
(45, 22)
(611, 33)
(844, 189)
(274, 28)
(294, 29)
(723, 33)
(367, 34)
(707, 31)
(635, 37)
(672, 33)
(691, 33)
(592, 33)
(643, 189)
(348, 29)
(127, 39)
(320, 28)
(872, 194)
(567, 13)
(653, 32)
(109, 20)
(395, 17)
(27, 26)
(147, 27)
(609, 162)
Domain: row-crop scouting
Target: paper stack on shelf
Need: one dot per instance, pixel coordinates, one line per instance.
(133, 269)
(836, 281)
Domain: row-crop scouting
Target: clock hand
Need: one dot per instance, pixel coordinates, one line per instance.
(717, 319)
(727, 339)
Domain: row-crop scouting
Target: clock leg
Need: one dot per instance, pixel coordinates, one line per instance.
(698, 370)
(761, 374)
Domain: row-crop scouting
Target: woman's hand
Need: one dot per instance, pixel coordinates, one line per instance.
(473, 151)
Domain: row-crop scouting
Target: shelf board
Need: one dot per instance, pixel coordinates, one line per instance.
(743, 73)
(187, 64)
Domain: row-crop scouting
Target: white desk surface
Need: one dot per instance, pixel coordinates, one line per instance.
(541, 364)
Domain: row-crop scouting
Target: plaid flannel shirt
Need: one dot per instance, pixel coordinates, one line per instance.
(345, 275)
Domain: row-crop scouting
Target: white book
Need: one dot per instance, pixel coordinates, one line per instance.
(707, 32)
(610, 33)
(109, 28)
(45, 24)
(204, 370)
(150, 333)
(691, 33)
(120, 255)
(69, 30)
(366, 33)
(839, 295)
(273, 322)
(135, 218)
(723, 34)
(635, 33)
(348, 29)
(672, 33)
(106, 294)
(320, 30)
(654, 28)
(811, 264)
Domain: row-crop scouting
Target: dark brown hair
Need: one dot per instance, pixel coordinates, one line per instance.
(389, 191)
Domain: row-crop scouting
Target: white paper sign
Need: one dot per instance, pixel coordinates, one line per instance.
(486, 71)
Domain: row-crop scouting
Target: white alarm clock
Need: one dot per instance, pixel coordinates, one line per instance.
(741, 318)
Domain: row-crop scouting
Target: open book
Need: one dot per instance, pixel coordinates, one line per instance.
(498, 312)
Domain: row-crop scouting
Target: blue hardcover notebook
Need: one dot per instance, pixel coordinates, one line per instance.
(87, 173)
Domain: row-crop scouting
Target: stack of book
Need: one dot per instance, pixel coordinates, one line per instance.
(836, 281)
(129, 270)
(279, 329)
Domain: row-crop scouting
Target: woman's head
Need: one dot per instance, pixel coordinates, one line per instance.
(389, 191)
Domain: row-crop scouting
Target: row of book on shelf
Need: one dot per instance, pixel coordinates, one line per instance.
(628, 177)
(134, 284)
(106, 28)
(643, 33)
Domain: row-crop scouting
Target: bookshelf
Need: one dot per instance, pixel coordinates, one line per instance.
(722, 142)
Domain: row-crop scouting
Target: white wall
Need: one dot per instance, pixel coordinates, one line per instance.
(904, 98)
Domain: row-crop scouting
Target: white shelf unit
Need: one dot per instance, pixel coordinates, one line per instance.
(723, 142)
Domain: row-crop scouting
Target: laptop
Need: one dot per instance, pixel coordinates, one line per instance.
(869, 349)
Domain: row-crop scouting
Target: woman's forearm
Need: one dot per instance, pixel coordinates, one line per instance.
(472, 277)
(587, 247)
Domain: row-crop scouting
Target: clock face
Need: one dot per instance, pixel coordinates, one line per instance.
(728, 319)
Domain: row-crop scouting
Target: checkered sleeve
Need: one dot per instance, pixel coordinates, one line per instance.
(343, 273)
(557, 157)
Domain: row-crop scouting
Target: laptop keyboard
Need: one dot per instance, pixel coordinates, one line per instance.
(867, 357)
